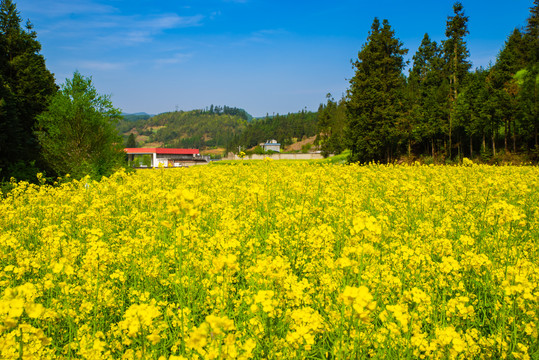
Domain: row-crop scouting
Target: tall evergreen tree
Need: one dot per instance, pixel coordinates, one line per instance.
(25, 88)
(376, 96)
(428, 88)
(503, 85)
(531, 36)
(456, 54)
(529, 92)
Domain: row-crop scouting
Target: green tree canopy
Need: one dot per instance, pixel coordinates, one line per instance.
(376, 95)
(531, 35)
(456, 54)
(332, 126)
(428, 92)
(77, 132)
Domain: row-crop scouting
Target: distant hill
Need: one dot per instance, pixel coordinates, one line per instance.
(216, 127)
(186, 129)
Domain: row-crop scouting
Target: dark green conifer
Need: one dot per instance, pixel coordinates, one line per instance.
(376, 96)
(456, 54)
(428, 89)
(25, 89)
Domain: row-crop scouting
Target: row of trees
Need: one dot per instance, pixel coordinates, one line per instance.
(44, 128)
(441, 108)
(227, 110)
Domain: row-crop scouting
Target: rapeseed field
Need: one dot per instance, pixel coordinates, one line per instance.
(274, 260)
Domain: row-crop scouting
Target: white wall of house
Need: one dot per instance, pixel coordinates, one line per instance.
(273, 147)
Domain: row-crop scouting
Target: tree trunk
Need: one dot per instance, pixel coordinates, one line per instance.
(450, 125)
(493, 143)
(484, 143)
(409, 149)
(432, 149)
(458, 148)
(505, 136)
(514, 138)
(471, 147)
(453, 94)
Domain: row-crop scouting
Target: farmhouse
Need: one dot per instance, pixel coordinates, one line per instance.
(167, 157)
(271, 145)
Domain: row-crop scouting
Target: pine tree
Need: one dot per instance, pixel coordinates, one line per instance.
(530, 85)
(26, 88)
(376, 96)
(457, 65)
(428, 88)
(531, 36)
(503, 85)
(473, 109)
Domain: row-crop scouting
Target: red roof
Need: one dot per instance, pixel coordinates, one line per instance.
(161, 151)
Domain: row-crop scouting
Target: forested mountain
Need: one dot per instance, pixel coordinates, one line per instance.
(219, 127)
(186, 129)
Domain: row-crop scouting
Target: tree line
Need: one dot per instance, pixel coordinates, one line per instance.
(227, 110)
(441, 109)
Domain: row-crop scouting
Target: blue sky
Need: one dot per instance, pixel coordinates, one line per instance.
(266, 56)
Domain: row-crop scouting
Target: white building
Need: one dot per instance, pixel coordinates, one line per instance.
(271, 145)
(168, 157)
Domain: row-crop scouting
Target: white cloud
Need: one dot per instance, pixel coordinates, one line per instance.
(176, 59)
(262, 36)
(117, 30)
(100, 65)
(60, 8)
(215, 14)
(171, 21)
(135, 31)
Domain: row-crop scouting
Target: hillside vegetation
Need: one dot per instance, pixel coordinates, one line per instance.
(218, 127)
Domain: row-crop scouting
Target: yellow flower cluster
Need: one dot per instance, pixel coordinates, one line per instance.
(273, 260)
(360, 299)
